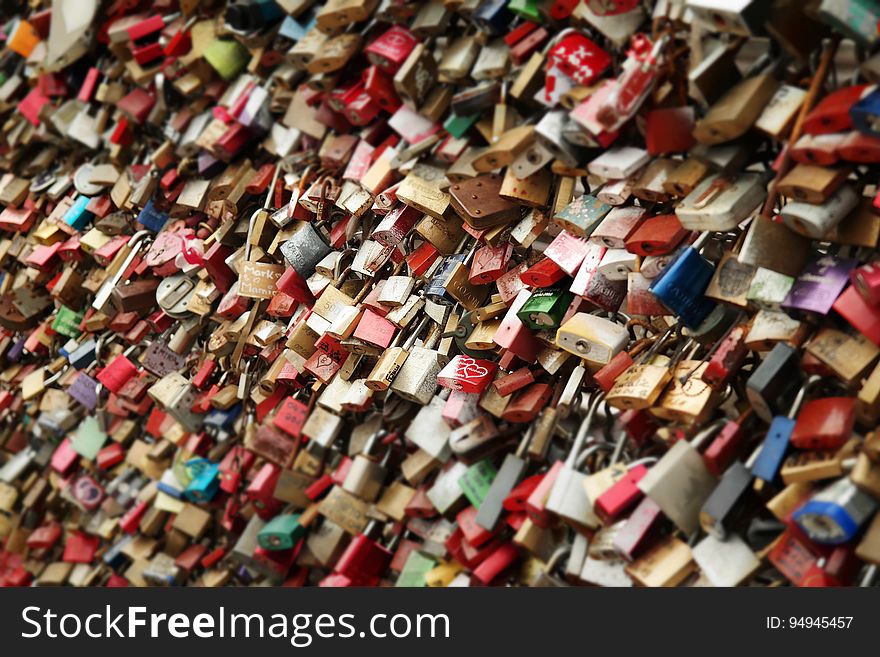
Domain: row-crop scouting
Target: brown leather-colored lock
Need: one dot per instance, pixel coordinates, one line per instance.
(337, 14)
(649, 186)
(737, 110)
(812, 183)
(415, 79)
(334, 54)
(685, 177)
(137, 296)
(504, 151)
(533, 190)
(304, 50)
(478, 202)
(423, 195)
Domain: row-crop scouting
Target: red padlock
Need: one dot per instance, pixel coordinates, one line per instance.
(727, 359)
(261, 491)
(490, 263)
(363, 561)
(514, 336)
(514, 381)
(527, 403)
(622, 496)
(117, 373)
(866, 280)
(824, 423)
(375, 329)
(471, 531)
(726, 445)
(543, 273)
(863, 317)
(656, 236)
(467, 374)
(390, 50)
(396, 225)
(496, 563)
(609, 373)
(536, 502)
(831, 114)
(579, 58)
(640, 530)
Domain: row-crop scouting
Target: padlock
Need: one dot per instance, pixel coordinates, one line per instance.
(682, 460)
(567, 498)
(736, 111)
(834, 514)
(815, 221)
(592, 338)
(681, 285)
(720, 203)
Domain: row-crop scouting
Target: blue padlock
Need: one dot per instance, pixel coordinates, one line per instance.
(205, 482)
(77, 215)
(435, 291)
(222, 420)
(773, 450)
(493, 17)
(834, 515)
(294, 29)
(681, 285)
(865, 114)
(114, 557)
(151, 218)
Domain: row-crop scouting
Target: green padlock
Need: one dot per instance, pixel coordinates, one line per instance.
(475, 483)
(457, 126)
(528, 9)
(545, 309)
(281, 533)
(67, 322)
(228, 57)
(413, 573)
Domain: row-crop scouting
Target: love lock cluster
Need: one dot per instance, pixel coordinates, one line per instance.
(440, 293)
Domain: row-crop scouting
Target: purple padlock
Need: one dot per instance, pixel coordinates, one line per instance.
(84, 389)
(818, 286)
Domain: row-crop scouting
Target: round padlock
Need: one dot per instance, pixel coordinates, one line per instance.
(173, 295)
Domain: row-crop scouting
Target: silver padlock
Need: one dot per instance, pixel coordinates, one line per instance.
(568, 498)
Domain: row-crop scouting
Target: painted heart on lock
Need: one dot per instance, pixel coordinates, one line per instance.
(470, 368)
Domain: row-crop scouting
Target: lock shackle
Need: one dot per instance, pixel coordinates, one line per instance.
(647, 460)
(715, 346)
(869, 575)
(678, 354)
(706, 433)
(558, 555)
(526, 440)
(589, 451)
(658, 343)
(583, 429)
(411, 339)
(433, 339)
(701, 240)
(559, 37)
(52, 379)
(373, 440)
(802, 395)
(618, 447)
